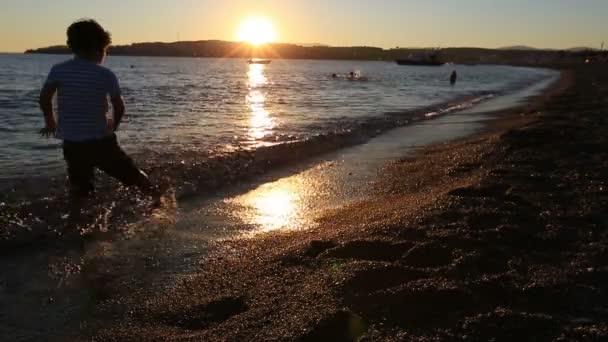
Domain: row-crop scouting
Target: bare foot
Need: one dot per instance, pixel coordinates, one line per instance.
(158, 192)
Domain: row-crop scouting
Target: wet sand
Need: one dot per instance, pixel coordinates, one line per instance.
(503, 235)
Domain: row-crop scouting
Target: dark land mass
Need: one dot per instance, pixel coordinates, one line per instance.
(502, 237)
(519, 47)
(224, 49)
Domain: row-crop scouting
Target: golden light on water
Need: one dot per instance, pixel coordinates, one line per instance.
(261, 122)
(272, 206)
(256, 75)
(276, 205)
(256, 31)
(276, 208)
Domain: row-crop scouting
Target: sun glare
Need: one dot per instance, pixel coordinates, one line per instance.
(256, 31)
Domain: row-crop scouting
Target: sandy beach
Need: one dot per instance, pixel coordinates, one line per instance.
(499, 236)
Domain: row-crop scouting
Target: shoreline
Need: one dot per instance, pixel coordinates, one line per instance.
(499, 235)
(31, 216)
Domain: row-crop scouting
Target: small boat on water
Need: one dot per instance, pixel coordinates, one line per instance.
(258, 61)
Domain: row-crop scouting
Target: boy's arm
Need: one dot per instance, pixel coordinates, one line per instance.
(118, 104)
(46, 105)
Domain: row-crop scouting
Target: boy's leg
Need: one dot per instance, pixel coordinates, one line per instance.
(115, 162)
(80, 175)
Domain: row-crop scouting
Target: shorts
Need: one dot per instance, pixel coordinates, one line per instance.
(105, 154)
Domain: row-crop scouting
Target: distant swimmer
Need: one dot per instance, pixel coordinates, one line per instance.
(453, 77)
(355, 76)
(334, 75)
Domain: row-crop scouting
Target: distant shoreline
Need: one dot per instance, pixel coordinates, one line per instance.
(223, 49)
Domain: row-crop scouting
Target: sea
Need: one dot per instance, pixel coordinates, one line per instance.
(220, 106)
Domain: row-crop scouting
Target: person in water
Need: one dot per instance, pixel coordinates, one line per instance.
(89, 140)
(356, 76)
(453, 77)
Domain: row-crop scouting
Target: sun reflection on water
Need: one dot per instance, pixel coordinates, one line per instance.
(273, 206)
(256, 75)
(261, 122)
(276, 205)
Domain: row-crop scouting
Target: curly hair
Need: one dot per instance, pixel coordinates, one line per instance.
(86, 36)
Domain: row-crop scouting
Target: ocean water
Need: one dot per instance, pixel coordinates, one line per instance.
(223, 105)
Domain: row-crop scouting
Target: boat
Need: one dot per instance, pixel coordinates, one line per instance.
(258, 61)
(431, 59)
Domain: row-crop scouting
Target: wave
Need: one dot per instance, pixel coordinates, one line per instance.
(237, 165)
(193, 174)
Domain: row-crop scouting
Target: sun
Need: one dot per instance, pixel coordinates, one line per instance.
(256, 31)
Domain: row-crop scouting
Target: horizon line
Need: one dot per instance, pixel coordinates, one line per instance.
(312, 45)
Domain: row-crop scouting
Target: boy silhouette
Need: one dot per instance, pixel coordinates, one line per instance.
(83, 87)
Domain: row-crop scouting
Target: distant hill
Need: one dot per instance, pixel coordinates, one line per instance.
(518, 48)
(529, 48)
(582, 48)
(312, 44)
(225, 49)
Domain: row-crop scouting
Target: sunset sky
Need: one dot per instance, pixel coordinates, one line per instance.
(385, 23)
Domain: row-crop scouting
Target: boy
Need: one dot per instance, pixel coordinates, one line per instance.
(83, 87)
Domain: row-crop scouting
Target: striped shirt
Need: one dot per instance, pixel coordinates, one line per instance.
(83, 88)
